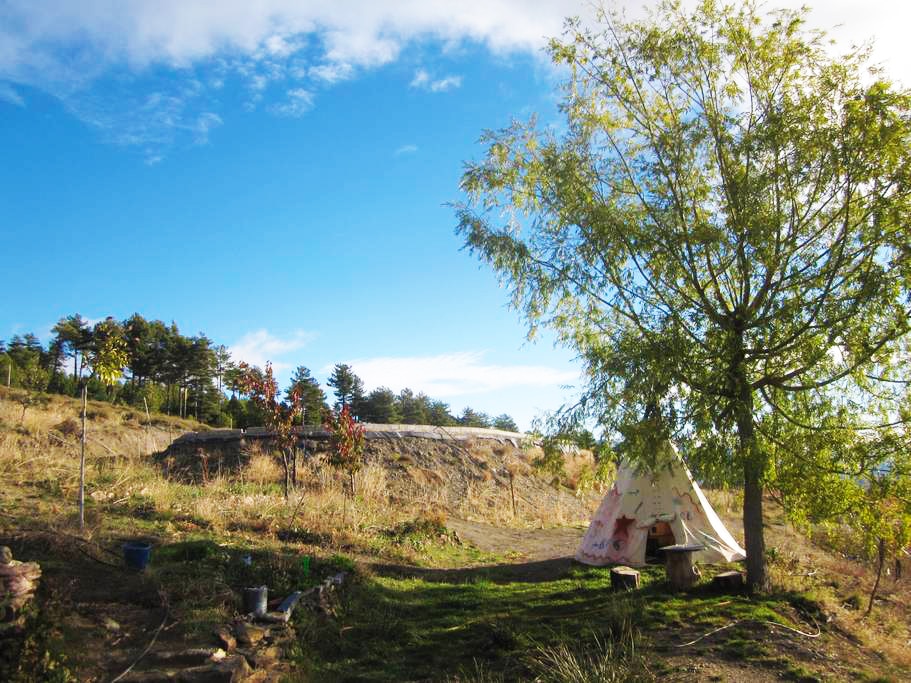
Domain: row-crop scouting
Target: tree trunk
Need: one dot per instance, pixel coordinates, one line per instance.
(85, 394)
(754, 535)
(879, 574)
(286, 466)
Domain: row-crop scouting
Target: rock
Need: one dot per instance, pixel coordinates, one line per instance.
(226, 638)
(624, 577)
(18, 579)
(183, 658)
(229, 670)
(6, 555)
(266, 657)
(248, 634)
(111, 625)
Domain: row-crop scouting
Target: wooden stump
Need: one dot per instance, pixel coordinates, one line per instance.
(728, 581)
(624, 577)
(681, 573)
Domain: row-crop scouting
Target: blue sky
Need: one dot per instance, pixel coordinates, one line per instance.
(277, 175)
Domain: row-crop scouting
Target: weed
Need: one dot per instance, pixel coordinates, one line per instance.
(33, 652)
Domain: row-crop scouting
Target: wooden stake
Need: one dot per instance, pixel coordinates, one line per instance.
(85, 398)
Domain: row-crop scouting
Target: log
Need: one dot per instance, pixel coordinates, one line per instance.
(728, 581)
(624, 577)
(681, 573)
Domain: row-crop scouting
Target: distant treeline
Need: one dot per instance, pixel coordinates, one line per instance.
(192, 376)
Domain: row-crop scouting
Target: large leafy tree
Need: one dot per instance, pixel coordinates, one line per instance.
(719, 229)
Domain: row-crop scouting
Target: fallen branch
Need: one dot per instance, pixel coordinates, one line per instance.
(164, 602)
(755, 621)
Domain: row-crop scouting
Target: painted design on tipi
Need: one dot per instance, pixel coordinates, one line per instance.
(639, 500)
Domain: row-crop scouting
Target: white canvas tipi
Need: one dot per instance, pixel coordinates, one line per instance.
(665, 506)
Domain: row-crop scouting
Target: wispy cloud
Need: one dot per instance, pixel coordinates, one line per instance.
(297, 103)
(423, 80)
(99, 56)
(405, 149)
(331, 73)
(204, 123)
(9, 94)
(454, 374)
(261, 346)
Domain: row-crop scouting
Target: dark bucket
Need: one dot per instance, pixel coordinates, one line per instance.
(137, 554)
(255, 600)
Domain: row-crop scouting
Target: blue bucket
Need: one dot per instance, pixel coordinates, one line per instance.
(137, 554)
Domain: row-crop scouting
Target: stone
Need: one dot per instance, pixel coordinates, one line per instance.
(6, 555)
(226, 638)
(248, 634)
(266, 657)
(624, 577)
(229, 670)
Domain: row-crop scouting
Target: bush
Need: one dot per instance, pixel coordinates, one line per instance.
(69, 427)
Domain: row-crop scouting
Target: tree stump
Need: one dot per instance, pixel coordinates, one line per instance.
(681, 573)
(624, 577)
(17, 581)
(728, 581)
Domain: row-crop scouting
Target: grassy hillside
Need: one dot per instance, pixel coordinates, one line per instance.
(428, 596)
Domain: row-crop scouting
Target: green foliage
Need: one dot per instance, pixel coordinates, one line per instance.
(474, 418)
(349, 389)
(597, 477)
(552, 461)
(719, 230)
(109, 352)
(505, 422)
(381, 406)
(34, 653)
(313, 400)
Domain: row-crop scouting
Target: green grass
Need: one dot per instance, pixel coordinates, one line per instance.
(405, 628)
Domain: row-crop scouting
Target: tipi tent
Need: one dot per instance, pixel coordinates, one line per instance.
(665, 506)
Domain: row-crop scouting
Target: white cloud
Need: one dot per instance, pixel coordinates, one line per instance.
(405, 149)
(64, 48)
(423, 81)
(260, 346)
(447, 83)
(9, 94)
(204, 123)
(331, 73)
(454, 374)
(299, 101)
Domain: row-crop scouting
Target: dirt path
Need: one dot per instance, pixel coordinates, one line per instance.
(534, 545)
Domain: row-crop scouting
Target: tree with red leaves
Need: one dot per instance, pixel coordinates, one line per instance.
(262, 388)
(346, 435)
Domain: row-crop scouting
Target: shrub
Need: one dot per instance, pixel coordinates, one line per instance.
(69, 427)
